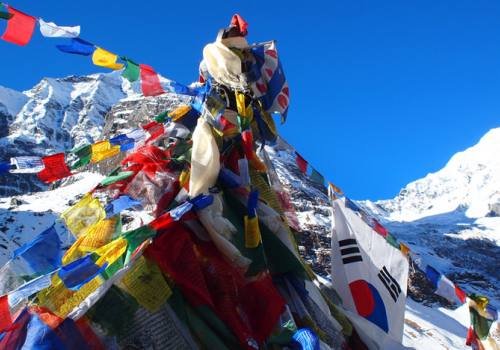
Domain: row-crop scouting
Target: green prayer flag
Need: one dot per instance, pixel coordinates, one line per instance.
(132, 70)
(6, 15)
(392, 241)
(115, 178)
(480, 324)
(161, 118)
(317, 177)
(135, 238)
(84, 154)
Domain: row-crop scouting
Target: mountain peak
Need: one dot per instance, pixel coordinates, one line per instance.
(470, 180)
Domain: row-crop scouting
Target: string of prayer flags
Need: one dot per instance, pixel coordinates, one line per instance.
(55, 168)
(150, 82)
(301, 163)
(20, 27)
(444, 287)
(52, 30)
(103, 150)
(77, 46)
(106, 59)
(83, 214)
(43, 253)
(132, 72)
(27, 164)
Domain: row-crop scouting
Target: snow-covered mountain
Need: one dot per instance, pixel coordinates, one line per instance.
(449, 218)
(54, 116)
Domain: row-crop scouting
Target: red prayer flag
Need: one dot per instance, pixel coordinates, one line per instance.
(301, 163)
(460, 294)
(5, 317)
(150, 82)
(154, 129)
(55, 168)
(381, 230)
(19, 28)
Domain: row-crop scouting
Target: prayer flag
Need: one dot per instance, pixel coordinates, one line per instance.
(120, 204)
(43, 253)
(138, 135)
(5, 167)
(123, 141)
(252, 232)
(55, 168)
(240, 23)
(29, 288)
(106, 59)
(301, 163)
(102, 150)
(481, 317)
(154, 129)
(307, 339)
(5, 317)
(404, 248)
(115, 178)
(132, 71)
(84, 153)
(19, 28)
(317, 177)
(79, 272)
(336, 189)
(150, 82)
(27, 164)
(52, 30)
(77, 46)
(271, 86)
(81, 216)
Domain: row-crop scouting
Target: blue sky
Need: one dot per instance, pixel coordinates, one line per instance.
(382, 92)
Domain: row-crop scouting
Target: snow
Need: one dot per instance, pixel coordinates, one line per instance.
(38, 211)
(11, 101)
(429, 328)
(470, 179)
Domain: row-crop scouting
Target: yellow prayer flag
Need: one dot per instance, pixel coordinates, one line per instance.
(61, 301)
(111, 251)
(99, 235)
(404, 248)
(179, 112)
(106, 59)
(81, 216)
(252, 232)
(103, 150)
(73, 252)
(184, 178)
(144, 281)
(336, 189)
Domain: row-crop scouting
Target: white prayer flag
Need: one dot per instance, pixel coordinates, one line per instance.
(52, 30)
(27, 164)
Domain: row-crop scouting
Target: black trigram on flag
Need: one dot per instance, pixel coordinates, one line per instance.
(390, 283)
(349, 251)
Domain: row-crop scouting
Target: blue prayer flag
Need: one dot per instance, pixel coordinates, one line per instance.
(79, 272)
(120, 204)
(123, 141)
(5, 167)
(39, 336)
(77, 46)
(307, 339)
(317, 177)
(433, 275)
(43, 254)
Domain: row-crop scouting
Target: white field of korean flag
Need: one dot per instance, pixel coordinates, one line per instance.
(371, 278)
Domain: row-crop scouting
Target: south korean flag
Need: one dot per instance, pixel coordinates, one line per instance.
(370, 276)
